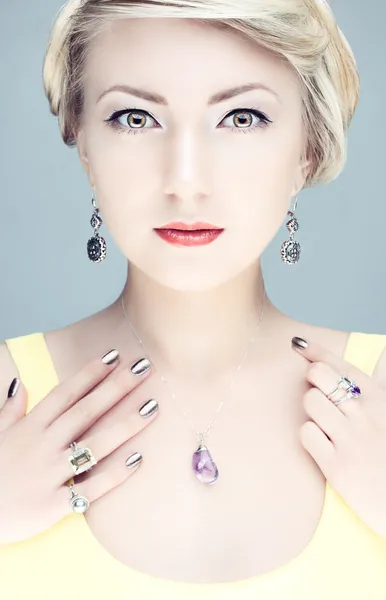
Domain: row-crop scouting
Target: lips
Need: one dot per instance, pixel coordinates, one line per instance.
(197, 226)
(197, 237)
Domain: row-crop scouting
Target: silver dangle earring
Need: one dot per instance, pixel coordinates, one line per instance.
(290, 249)
(96, 246)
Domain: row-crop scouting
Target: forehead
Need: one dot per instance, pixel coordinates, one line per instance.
(171, 55)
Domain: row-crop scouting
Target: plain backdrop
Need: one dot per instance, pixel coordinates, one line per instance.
(47, 280)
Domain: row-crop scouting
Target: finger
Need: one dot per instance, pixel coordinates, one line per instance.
(98, 485)
(67, 393)
(327, 416)
(107, 441)
(15, 406)
(318, 446)
(69, 426)
(317, 353)
(326, 380)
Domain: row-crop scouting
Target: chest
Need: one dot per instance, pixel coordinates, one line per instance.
(261, 513)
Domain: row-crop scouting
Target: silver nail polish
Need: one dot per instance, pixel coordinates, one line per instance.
(134, 460)
(141, 366)
(149, 408)
(110, 357)
(13, 388)
(299, 342)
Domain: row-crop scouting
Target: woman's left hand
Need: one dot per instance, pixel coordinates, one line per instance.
(347, 441)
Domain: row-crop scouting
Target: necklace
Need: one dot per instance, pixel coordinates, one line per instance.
(203, 464)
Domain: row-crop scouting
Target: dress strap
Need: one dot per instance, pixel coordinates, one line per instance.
(363, 350)
(35, 368)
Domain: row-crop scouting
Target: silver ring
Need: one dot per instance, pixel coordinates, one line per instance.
(79, 504)
(81, 459)
(350, 387)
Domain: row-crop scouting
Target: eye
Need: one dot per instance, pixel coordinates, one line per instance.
(245, 117)
(132, 120)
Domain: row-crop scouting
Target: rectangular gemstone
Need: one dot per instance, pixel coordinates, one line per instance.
(82, 460)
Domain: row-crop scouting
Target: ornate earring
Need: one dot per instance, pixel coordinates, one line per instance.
(290, 249)
(96, 246)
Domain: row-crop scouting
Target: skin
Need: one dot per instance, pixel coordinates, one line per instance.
(191, 164)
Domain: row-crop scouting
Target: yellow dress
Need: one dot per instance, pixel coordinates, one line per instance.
(344, 560)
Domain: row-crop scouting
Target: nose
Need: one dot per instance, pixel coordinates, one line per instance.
(187, 167)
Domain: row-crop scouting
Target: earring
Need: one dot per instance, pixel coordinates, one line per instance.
(96, 246)
(290, 249)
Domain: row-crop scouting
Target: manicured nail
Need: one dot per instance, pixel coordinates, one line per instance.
(141, 366)
(134, 460)
(298, 342)
(110, 357)
(148, 408)
(13, 388)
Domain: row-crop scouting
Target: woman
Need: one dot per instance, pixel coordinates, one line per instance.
(224, 485)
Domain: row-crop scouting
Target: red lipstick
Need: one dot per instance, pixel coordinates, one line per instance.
(189, 234)
(189, 226)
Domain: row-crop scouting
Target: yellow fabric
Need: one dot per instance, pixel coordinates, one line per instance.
(345, 560)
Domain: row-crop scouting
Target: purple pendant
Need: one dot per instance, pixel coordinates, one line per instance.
(204, 466)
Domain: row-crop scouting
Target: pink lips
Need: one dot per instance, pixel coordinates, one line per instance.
(189, 234)
(189, 237)
(189, 226)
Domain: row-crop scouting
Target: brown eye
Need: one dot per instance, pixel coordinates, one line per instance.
(135, 120)
(245, 120)
(131, 120)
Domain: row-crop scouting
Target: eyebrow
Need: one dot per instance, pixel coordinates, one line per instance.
(215, 99)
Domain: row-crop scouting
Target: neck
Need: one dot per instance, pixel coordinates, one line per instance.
(197, 335)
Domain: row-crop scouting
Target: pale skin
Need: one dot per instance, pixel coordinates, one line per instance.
(195, 309)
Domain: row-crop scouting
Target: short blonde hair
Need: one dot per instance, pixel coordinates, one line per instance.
(303, 32)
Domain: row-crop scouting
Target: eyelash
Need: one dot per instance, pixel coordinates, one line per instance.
(112, 121)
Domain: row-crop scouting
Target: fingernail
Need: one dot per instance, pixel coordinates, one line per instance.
(13, 388)
(110, 357)
(141, 366)
(149, 408)
(134, 460)
(298, 342)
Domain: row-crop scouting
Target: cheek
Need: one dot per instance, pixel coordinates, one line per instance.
(263, 190)
(121, 173)
(265, 162)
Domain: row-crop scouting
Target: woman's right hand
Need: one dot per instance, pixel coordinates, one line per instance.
(35, 447)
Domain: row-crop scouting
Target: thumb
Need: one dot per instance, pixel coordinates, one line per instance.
(15, 406)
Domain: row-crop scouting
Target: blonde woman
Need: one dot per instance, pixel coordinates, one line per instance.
(219, 449)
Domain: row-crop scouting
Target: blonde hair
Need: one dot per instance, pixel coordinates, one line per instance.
(303, 32)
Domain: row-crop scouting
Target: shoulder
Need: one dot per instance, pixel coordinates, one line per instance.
(337, 342)
(333, 340)
(69, 348)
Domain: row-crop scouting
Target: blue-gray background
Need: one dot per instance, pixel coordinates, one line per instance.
(46, 278)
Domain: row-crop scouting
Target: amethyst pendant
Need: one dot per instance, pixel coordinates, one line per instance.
(204, 466)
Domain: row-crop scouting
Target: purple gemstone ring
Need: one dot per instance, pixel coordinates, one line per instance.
(351, 388)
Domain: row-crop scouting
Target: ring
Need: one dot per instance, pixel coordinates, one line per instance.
(79, 504)
(81, 459)
(352, 390)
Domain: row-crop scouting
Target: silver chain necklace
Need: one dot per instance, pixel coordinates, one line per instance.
(203, 464)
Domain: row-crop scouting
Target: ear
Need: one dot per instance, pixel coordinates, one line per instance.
(82, 153)
(301, 174)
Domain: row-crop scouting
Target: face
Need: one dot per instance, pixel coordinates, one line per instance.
(234, 163)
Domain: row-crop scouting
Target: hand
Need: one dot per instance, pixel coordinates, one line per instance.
(347, 441)
(35, 447)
